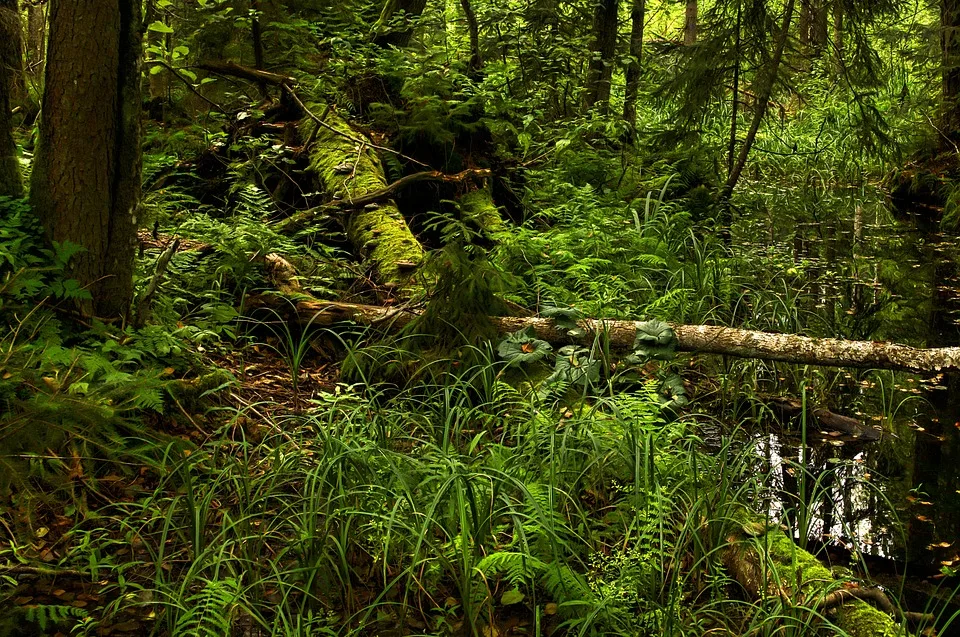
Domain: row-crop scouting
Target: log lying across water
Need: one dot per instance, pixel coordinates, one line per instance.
(707, 339)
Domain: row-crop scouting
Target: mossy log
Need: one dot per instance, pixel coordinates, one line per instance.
(346, 166)
(478, 206)
(766, 562)
(708, 339)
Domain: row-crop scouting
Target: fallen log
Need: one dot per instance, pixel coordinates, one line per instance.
(767, 563)
(824, 419)
(348, 169)
(705, 339)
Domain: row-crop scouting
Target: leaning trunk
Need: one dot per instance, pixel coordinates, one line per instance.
(86, 178)
(10, 185)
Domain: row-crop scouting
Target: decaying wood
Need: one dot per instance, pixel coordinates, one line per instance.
(708, 339)
(824, 419)
(766, 562)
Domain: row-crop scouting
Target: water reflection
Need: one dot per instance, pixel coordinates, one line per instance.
(874, 280)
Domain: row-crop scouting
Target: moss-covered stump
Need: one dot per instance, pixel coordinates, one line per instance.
(346, 166)
(767, 563)
(477, 205)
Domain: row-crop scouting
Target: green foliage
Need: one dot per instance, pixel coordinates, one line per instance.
(523, 347)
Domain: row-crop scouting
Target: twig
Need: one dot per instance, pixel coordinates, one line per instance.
(143, 308)
(336, 131)
(43, 571)
(189, 85)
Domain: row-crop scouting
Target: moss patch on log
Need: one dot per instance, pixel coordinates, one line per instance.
(346, 166)
(767, 562)
(478, 206)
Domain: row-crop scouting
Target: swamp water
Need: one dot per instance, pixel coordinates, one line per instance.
(892, 505)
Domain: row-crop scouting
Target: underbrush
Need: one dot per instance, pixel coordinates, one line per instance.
(463, 507)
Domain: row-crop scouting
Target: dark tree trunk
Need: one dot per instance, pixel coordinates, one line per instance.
(36, 32)
(950, 65)
(257, 36)
(638, 11)
(600, 71)
(690, 22)
(10, 68)
(476, 61)
(382, 33)
(86, 178)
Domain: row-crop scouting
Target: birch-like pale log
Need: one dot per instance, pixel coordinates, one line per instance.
(705, 339)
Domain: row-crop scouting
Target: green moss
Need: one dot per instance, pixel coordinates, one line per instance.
(806, 580)
(346, 169)
(478, 206)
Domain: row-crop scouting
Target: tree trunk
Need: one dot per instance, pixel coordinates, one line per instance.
(86, 177)
(346, 167)
(766, 80)
(159, 77)
(10, 67)
(950, 67)
(36, 33)
(690, 23)
(600, 71)
(473, 26)
(638, 14)
(256, 36)
(705, 339)
(383, 35)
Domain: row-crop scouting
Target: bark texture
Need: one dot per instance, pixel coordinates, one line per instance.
(347, 168)
(706, 339)
(86, 178)
(690, 22)
(10, 67)
(600, 71)
(638, 13)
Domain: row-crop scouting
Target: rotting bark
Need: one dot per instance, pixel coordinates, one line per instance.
(348, 170)
(704, 339)
(767, 563)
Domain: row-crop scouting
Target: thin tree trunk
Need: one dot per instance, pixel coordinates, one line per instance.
(766, 81)
(257, 37)
(950, 67)
(638, 11)
(10, 67)
(838, 37)
(690, 22)
(86, 178)
(600, 70)
(476, 61)
(36, 32)
(735, 106)
(400, 38)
